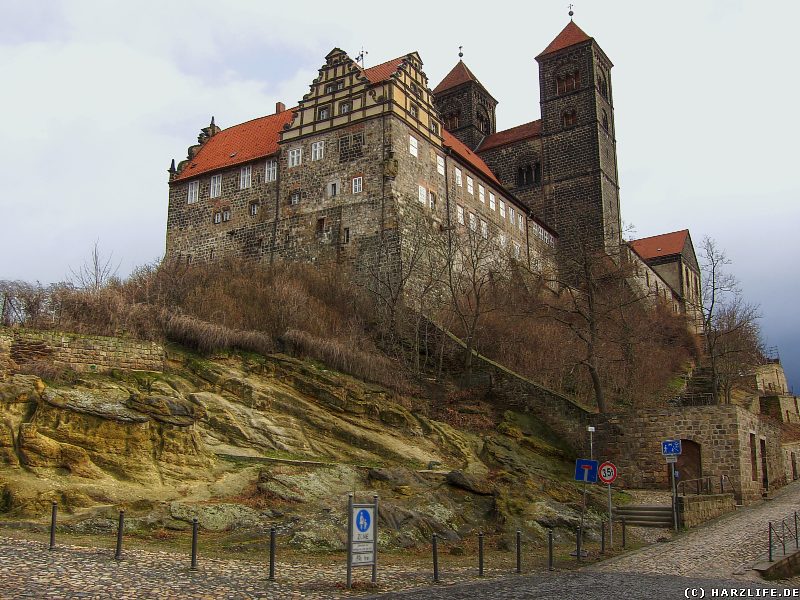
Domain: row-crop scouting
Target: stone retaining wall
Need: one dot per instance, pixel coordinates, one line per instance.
(82, 353)
(694, 510)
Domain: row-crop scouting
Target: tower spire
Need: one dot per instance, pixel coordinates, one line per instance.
(570, 12)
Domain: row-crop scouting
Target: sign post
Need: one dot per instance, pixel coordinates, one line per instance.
(671, 449)
(585, 471)
(362, 537)
(607, 473)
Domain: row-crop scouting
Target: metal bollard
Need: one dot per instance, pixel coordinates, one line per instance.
(519, 551)
(120, 529)
(578, 537)
(623, 533)
(550, 566)
(194, 544)
(602, 537)
(272, 554)
(435, 559)
(480, 554)
(53, 514)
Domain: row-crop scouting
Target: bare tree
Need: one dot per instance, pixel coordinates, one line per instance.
(96, 271)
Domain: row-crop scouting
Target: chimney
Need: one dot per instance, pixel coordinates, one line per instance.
(279, 107)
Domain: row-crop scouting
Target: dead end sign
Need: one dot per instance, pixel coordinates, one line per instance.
(586, 470)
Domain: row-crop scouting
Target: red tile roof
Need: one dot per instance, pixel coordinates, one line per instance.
(468, 155)
(569, 36)
(238, 144)
(509, 136)
(457, 75)
(666, 244)
(383, 71)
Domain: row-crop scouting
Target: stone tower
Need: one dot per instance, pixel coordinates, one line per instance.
(581, 191)
(466, 107)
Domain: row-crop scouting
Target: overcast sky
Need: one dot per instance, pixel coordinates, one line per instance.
(98, 96)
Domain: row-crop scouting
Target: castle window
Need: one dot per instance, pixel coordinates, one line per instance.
(520, 222)
(451, 122)
(217, 218)
(253, 209)
(295, 157)
(458, 177)
(345, 107)
(294, 198)
(432, 200)
(440, 164)
(422, 194)
(320, 225)
(434, 127)
(473, 222)
(215, 191)
(482, 194)
(484, 229)
(358, 183)
(502, 209)
(330, 88)
(415, 90)
(569, 118)
(346, 236)
(412, 145)
(317, 150)
(511, 215)
(193, 192)
(483, 122)
(460, 214)
(602, 85)
(568, 82)
(323, 112)
(492, 201)
(333, 189)
(470, 185)
(605, 119)
(525, 175)
(245, 176)
(226, 215)
(414, 110)
(271, 174)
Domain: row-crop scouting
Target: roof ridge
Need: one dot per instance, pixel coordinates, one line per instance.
(569, 36)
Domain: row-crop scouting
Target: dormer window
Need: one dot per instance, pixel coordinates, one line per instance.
(568, 82)
(323, 112)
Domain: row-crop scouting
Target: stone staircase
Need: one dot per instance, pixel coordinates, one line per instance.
(644, 515)
(698, 391)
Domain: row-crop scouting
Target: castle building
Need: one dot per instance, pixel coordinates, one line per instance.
(346, 175)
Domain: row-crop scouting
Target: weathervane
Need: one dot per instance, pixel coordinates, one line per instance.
(570, 12)
(460, 53)
(361, 56)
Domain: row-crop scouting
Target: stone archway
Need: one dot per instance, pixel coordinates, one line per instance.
(689, 463)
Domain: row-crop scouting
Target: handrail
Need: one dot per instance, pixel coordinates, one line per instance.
(704, 485)
(785, 532)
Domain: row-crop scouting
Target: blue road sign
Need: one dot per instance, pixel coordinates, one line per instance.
(586, 470)
(362, 520)
(669, 447)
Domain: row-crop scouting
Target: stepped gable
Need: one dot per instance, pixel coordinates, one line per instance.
(510, 136)
(569, 36)
(383, 71)
(468, 155)
(666, 244)
(238, 144)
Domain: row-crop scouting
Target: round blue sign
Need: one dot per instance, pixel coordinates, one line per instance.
(362, 520)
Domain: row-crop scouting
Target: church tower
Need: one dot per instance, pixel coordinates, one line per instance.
(466, 107)
(580, 153)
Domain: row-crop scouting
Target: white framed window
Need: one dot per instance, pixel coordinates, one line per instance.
(294, 198)
(511, 215)
(440, 164)
(484, 229)
(245, 176)
(358, 184)
(520, 222)
(226, 215)
(432, 200)
(317, 150)
(215, 191)
(323, 112)
(470, 185)
(460, 214)
(473, 221)
(434, 127)
(193, 192)
(253, 209)
(295, 157)
(458, 177)
(414, 110)
(412, 145)
(482, 194)
(492, 202)
(502, 209)
(217, 218)
(271, 173)
(423, 194)
(345, 107)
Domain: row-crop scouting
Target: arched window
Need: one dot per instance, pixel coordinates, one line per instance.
(602, 85)
(568, 82)
(525, 175)
(569, 117)
(484, 125)
(605, 119)
(451, 121)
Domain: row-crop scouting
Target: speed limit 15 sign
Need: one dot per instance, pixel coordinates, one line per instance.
(607, 472)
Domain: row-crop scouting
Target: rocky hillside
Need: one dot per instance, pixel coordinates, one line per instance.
(244, 442)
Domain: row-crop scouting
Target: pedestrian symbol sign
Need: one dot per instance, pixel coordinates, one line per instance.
(669, 447)
(362, 519)
(586, 470)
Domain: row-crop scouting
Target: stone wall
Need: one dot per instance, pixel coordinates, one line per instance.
(791, 460)
(82, 353)
(5, 354)
(694, 510)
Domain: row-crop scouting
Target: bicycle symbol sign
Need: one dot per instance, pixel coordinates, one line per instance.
(607, 472)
